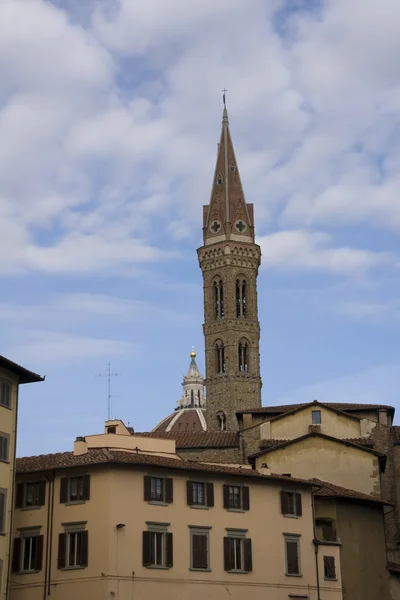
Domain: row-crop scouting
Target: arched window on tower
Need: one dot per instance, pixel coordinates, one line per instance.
(218, 290)
(220, 357)
(221, 420)
(241, 298)
(191, 398)
(198, 397)
(243, 356)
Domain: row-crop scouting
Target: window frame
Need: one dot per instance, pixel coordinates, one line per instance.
(82, 538)
(327, 568)
(318, 415)
(204, 531)
(5, 436)
(292, 538)
(154, 530)
(167, 490)
(5, 384)
(33, 537)
(296, 501)
(239, 538)
(244, 497)
(65, 489)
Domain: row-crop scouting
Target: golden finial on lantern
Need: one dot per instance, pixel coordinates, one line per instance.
(193, 353)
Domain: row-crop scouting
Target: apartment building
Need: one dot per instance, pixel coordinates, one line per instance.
(11, 377)
(123, 516)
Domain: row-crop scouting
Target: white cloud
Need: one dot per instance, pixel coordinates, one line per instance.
(372, 311)
(300, 249)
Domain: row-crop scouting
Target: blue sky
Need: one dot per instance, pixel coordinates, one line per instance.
(110, 113)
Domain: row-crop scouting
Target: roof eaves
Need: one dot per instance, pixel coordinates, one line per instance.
(25, 376)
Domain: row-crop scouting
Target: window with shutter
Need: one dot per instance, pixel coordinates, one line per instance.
(3, 502)
(292, 550)
(237, 551)
(329, 567)
(291, 504)
(75, 489)
(4, 446)
(157, 547)
(236, 497)
(28, 551)
(199, 549)
(5, 393)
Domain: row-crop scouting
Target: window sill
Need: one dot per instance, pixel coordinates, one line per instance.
(238, 510)
(30, 507)
(158, 503)
(291, 516)
(5, 406)
(27, 572)
(74, 502)
(327, 543)
(3, 460)
(158, 567)
(237, 571)
(293, 575)
(330, 578)
(200, 570)
(200, 506)
(77, 568)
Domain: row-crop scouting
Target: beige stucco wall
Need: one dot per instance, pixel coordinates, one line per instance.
(7, 425)
(158, 446)
(115, 555)
(327, 460)
(297, 424)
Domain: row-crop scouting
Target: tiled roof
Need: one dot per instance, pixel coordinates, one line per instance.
(344, 406)
(198, 439)
(24, 375)
(357, 441)
(64, 460)
(330, 490)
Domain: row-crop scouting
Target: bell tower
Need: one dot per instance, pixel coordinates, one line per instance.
(229, 260)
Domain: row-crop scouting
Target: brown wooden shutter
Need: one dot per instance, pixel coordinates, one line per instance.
(299, 510)
(64, 490)
(189, 492)
(169, 554)
(62, 539)
(199, 551)
(39, 553)
(226, 495)
(2, 512)
(146, 548)
(329, 567)
(245, 498)
(292, 557)
(84, 548)
(228, 548)
(147, 488)
(210, 494)
(42, 493)
(16, 560)
(86, 487)
(19, 496)
(169, 495)
(248, 557)
(284, 507)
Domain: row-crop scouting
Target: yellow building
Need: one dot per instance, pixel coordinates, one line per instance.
(123, 516)
(11, 376)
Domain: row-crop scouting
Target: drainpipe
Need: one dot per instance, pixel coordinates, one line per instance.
(12, 494)
(51, 533)
(315, 544)
(48, 537)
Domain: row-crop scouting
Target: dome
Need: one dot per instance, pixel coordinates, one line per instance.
(189, 414)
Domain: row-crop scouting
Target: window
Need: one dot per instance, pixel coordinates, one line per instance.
(3, 504)
(243, 357)
(28, 551)
(200, 493)
(4, 446)
(291, 504)
(236, 497)
(30, 494)
(75, 489)
(112, 429)
(232, 167)
(325, 530)
(241, 289)
(191, 397)
(157, 546)
(5, 393)
(220, 352)
(158, 489)
(200, 548)
(73, 546)
(218, 299)
(329, 567)
(221, 420)
(316, 417)
(237, 551)
(292, 551)
(220, 179)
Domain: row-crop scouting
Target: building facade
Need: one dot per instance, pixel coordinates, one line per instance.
(11, 377)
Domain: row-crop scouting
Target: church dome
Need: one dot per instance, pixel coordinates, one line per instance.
(189, 414)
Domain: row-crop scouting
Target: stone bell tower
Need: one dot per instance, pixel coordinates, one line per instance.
(229, 260)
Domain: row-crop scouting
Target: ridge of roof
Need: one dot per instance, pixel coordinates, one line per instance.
(25, 375)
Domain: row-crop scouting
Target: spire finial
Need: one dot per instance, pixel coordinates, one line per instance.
(193, 353)
(224, 97)
(225, 113)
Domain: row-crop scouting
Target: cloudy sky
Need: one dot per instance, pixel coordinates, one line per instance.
(109, 117)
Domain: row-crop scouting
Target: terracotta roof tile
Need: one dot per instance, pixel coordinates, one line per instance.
(330, 490)
(198, 439)
(344, 406)
(369, 442)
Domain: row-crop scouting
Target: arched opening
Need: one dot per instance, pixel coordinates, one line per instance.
(221, 419)
(191, 398)
(220, 357)
(325, 529)
(198, 397)
(243, 356)
(218, 289)
(241, 298)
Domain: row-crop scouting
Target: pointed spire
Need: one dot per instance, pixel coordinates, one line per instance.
(193, 386)
(228, 215)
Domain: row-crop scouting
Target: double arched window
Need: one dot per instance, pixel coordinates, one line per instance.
(243, 356)
(218, 292)
(241, 298)
(220, 357)
(221, 420)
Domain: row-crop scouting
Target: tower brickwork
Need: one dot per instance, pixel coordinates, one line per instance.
(229, 260)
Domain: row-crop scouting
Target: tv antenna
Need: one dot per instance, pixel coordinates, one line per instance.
(108, 374)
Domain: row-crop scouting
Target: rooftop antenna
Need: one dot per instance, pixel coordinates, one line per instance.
(108, 374)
